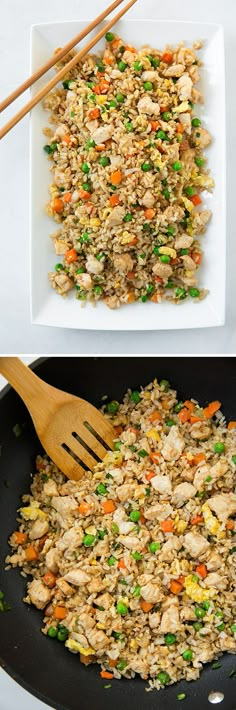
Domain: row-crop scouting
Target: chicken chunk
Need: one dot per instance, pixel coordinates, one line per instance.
(97, 584)
(200, 476)
(39, 528)
(188, 262)
(172, 152)
(154, 620)
(105, 600)
(148, 199)
(185, 119)
(173, 214)
(50, 488)
(132, 542)
(85, 281)
(174, 70)
(187, 157)
(214, 561)
(182, 493)
(170, 621)
(64, 587)
(124, 492)
(64, 505)
(169, 549)
(216, 471)
(123, 263)
(201, 137)
(146, 105)
(162, 484)
(102, 134)
(183, 242)
(94, 266)
(214, 579)
(151, 593)
(187, 613)
(173, 445)
(77, 577)
(97, 638)
(86, 621)
(195, 544)
(39, 594)
(60, 246)
(162, 270)
(116, 216)
(159, 511)
(51, 560)
(200, 431)
(184, 87)
(223, 505)
(61, 282)
(71, 539)
(112, 302)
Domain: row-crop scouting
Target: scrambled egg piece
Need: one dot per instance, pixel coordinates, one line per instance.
(180, 526)
(187, 203)
(153, 434)
(32, 511)
(196, 593)
(75, 647)
(168, 251)
(114, 457)
(211, 523)
(184, 106)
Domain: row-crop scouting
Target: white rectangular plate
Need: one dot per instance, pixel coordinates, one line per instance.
(47, 307)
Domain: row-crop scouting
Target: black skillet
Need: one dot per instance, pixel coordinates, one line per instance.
(39, 664)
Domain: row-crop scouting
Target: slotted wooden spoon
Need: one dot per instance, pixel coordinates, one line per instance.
(73, 433)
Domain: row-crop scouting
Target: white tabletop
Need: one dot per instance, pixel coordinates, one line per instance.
(16, 332)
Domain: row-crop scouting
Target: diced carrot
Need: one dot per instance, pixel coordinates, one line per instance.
(154, 456)
(230, 524)
(116, 43)
(167, 57)
(100, 148)
(134, 431)
(231, 425)
(71, 256)
(197, 257)
(57, 205)
(154, 298)
(154, 125)
(197, 458)
(146, 606)
(197, 520)
(66, 139)
(108, 506)
(41, 542)
(49, 579)
(130, 297)
(48, 610)
(84, 508)
(102, 88)
(31, 554)
(83, 194)
(181, 579)
(158, 279)
(118, 429)
(60, 612)
(129, 48)
(132, 242)
(167, 526)
(176, 587)
(189, 405)
(211, 409)
(20, 537)
(149, 475)
(114, 200)
(67, 197)
(142, 521)
(149, 213)
(196, 200)
(144, 549)
(108, 143)
(94, 113)
(113, 662)
(90, 207)
(184, 144)
(130, 275)
(106, 674)
(108, 60)
(201, 570)
(86, 660)
(194, 419)
(179, 128)
(121, 564)
(155, 416)
(116, 177)
(184, 415)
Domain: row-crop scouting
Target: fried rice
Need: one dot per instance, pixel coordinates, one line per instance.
(126, 153)
(134, 565)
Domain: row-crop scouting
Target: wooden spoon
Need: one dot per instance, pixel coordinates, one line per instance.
(74, 434)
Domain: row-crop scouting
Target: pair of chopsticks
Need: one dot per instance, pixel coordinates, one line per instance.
(56, 57)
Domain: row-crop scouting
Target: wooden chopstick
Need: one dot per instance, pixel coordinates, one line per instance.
(56, 57)
(50, 85)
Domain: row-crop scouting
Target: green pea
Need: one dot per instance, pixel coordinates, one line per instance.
(154, 61)
(178, 407)
(135, 515)
(143, 453)
(184, 251)
(148, 492)
(137, 593)
(198, 625)
(121, 608)
(194, 292)
(129, 127)
(89, 144)
(101, 534)
(166, 194)
(117, 445)
(146, 227)
(156, 251)
(170, 422)
(116, 634)
(112, 187)
(109, 36)
(221, 627)
(199, 162)
(138, 66)
(166, 116)
(84, 238)
(234, 459)
(52, 632)
(144, 299)
(208, 479)
(206, 605)
(233, 628)
(146, 166)
(112, 103)
(181, 696)
(187, 655)
(194, 578)
(114, 528)
(170, 284)
(112, 407)
(121, 65)
(219, 613)
(62, 635)
(135, 397)
(97, 290)
(121, 665)
(120, 98)
(147, 85)
(59, 267)
(165, 385)
(111, 561)
(170, 639)
(189, 191)
(196, 122)
(128, 217)
(165, 258)
(177, 165)
(219, 447)
(137, 556)
(104, 161)
(100, 256)
(66, 84)
(92, 97)
(85, 167)
(80, 271)
(163, 677)
(89, 540)
(170, 229)
(90, 84)
(162, 135)
(154, 546)
(180, 293)
(51, 148)
(199, 612)
(101, 490)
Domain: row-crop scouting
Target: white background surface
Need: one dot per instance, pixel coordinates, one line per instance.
(16, 332)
